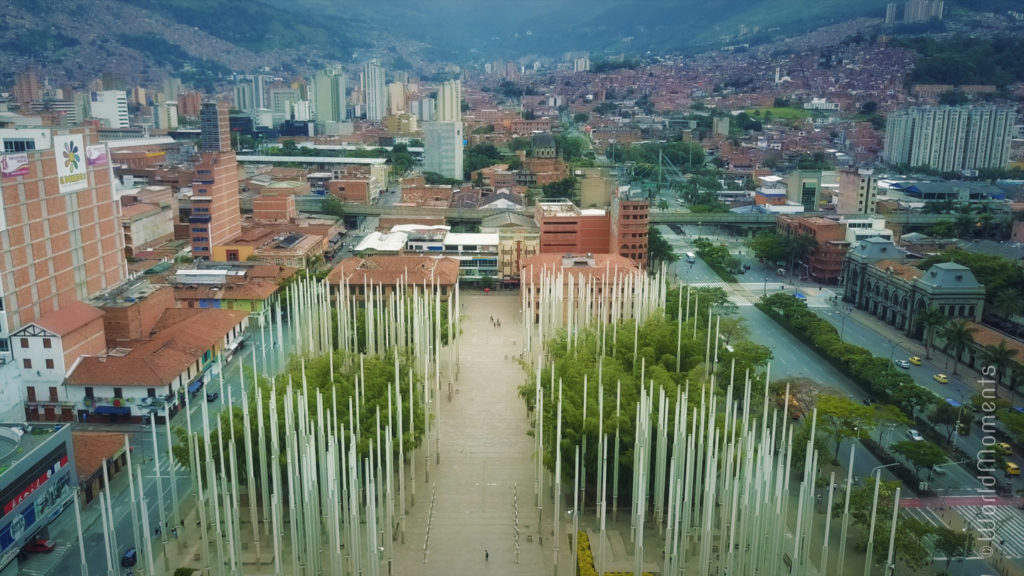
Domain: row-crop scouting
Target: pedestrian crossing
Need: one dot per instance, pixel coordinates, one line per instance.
(42, 564)
(926, 515)
(1007, 523)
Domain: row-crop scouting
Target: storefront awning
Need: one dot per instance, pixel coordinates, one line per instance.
(113, 410)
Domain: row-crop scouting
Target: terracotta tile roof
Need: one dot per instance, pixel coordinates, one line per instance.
(92, 448)
(255, 289)
(900, 268)
(69, 318)
(183, 336)
(605, 265)
(985, 336)
(389, 270)
(278, 273)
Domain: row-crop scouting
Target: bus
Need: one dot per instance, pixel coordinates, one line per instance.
(691, 257)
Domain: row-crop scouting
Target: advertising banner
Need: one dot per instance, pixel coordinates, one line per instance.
(96, 155)
(13, 165)
(71, 167)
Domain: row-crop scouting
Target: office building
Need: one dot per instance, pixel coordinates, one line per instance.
(215, 215)
(449, 101)
(375, 91)
(282, 101)
(858, 191)
(27, 88)
(250, 92)
(329, 97)
(442, 148)
(172, 89)
(622, 229)
(825, 261)
(950, 138)
(110, 107)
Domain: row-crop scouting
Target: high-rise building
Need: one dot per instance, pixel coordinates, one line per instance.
(215, 217)
(110, 107)
(950, 138)
(166, 116)
(375, 91)
(27, 87)
(449, 101)
(189, 104)
(396, 98)
(172, 89)
(442, 148)
(61, 242)
(858, 191)
(250, 92)
(329, 96)
(214, 127)
(281, 102)
(922, 10)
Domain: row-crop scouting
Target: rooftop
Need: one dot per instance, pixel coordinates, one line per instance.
(69, 318)
(392, 270)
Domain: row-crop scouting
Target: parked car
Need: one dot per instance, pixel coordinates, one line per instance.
(914, 435)
(915, 360)
(40, 545)
(941, 378)
(129, 558)
(212, 396)
(903, 363)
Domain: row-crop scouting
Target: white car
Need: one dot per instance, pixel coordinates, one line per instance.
(903, 363)
(915, 435)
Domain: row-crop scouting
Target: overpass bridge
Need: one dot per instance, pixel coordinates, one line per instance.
(314, 204)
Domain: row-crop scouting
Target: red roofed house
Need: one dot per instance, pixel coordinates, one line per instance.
(606, 270)
(46, 350)
(91, 450)
(390, 271)
(153, 375)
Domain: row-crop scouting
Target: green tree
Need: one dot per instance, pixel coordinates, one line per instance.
(580, 117)
(662, 205)
(1008, 303)
(911, 534)
(840, 418)
(950, 543)
(658, 249)
(999, 356)
(930, 319)
(957, 336)
(564, 188)
(921, 454)
(944, 414)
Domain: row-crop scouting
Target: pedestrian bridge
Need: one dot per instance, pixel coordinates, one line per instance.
(314, 204)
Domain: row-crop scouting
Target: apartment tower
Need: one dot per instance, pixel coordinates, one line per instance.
(216, 216)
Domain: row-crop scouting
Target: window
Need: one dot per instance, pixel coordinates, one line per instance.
(24, 342)
(4, 346)
(1, 301)
(49, 363)
(88, 392)
(118, 393)
(232, 255)
(151, 392)
(19, 144)
(26, 363)
(47, 343)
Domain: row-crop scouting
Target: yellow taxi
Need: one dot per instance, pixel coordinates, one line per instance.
(1005, 448)
(941, 378)
(1012, 469)
(915, 360)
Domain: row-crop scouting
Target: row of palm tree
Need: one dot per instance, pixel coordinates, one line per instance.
(957, 336)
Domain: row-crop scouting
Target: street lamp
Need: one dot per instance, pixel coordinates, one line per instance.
(877, 468)
(959, 412)
(892, 352)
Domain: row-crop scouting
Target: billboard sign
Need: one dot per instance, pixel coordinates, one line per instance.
(96, 155)
(71, 167)
(13, 165)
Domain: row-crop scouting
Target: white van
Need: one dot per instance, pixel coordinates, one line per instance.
(691, 257)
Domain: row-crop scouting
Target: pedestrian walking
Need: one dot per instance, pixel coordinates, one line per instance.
(487, 555)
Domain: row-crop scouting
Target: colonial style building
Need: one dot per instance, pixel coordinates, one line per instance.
(878, 278)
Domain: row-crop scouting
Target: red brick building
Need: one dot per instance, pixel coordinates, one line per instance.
(825, 262)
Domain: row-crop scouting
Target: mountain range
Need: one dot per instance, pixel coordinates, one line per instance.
(202, 41)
